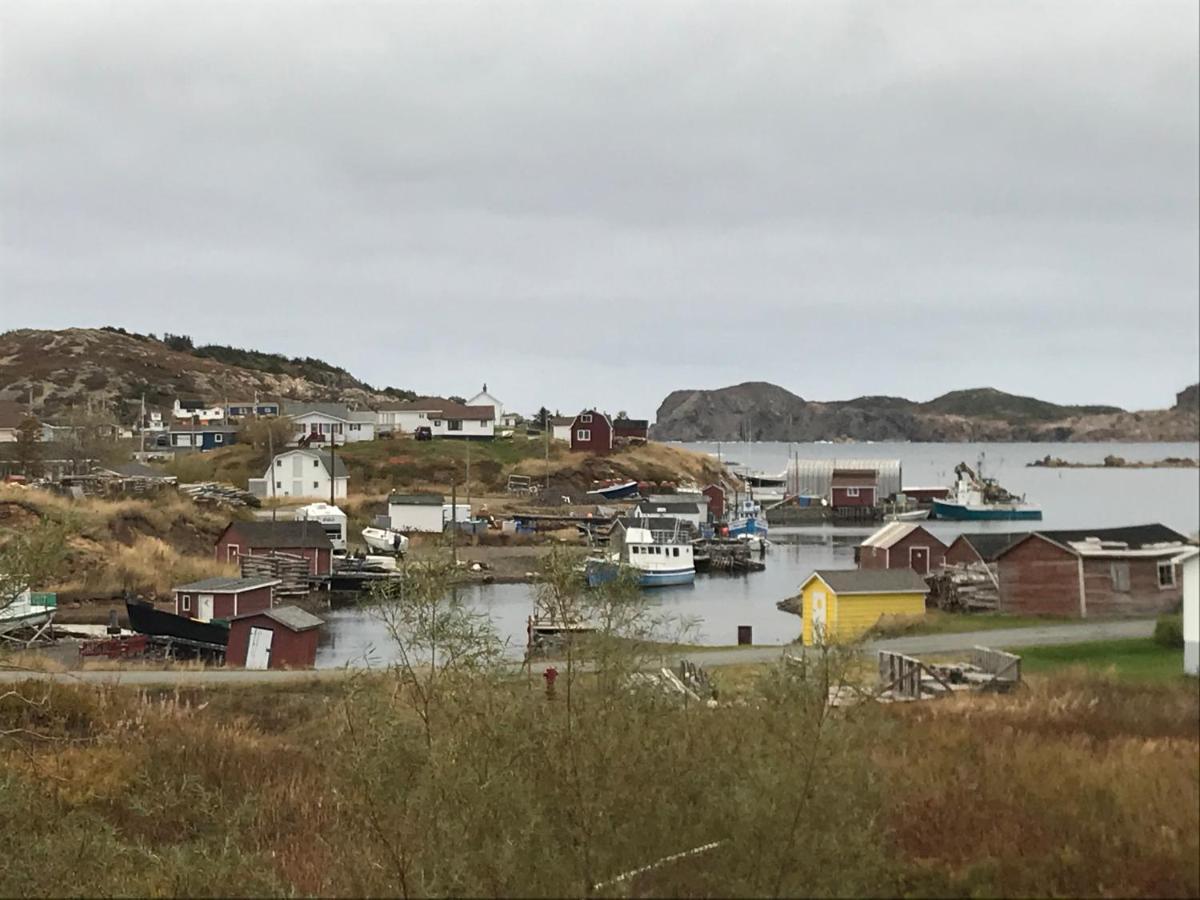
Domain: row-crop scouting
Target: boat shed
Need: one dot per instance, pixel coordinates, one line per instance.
(901, 545)
(223, 598)
(306, 539)
(853, 487)
(1092, 572)
(281, 638)
(417, 512)
(716, 501)
(814, 477)
(841, 605)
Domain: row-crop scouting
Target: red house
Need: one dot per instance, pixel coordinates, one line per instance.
(902, 545)
(592, 432)
(307, 539)
(716, 501)
(223, 598)
(630, 430)
(1098, 572)
(282, 638)
(853, 487)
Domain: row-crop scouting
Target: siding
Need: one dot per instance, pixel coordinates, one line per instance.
(1144, 596)
(960, 552)
(839, 497)
(599, 430)
(851, 616)
(1038, 578)
(289, 649)
(224, 605)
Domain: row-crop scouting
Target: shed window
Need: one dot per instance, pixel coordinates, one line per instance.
(218, 438)
(583, 434)
(1120, 576)
(1166, 574)
(187, 602)
(851, 492)
(483, 423)
(586, 419)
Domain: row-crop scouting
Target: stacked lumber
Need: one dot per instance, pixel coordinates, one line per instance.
(964, 588)
(217, 492)
(289, 568)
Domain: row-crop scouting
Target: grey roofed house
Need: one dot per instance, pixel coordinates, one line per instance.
(292, 617)
(333, 410)
(416, 500)
(339, 467)
(282, 535)
(871, 581)
(227, 585)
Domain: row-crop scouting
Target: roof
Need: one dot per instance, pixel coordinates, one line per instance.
(138, 470)
(332, 410)
(322, 456)
(204, 429)
(854, 478)
(416, 500)
(227, 585)
(559, 421)
(814, 477)
(641, 424)
(689, 507)
(654, 523)
(1128, 540)
(891, 534)
(592, 412)
(11, 413)
(871, 581)
(448, 409)
(292, 617)
(990, 544)
(283, 535)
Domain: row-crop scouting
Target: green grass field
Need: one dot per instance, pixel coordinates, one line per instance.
(1139, 659)
(937, 622)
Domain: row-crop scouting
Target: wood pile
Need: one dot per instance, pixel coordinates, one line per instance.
(289, 568)
(906, 678)
(964, 588)
(216, 492)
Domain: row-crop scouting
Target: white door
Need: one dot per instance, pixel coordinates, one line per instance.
(298, 489)
(819, 617)
(258, 649)
(204, 607)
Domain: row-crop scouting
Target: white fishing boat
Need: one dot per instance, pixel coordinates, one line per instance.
(657, 558)
(748, 518)
(908, 515)
(385, 540)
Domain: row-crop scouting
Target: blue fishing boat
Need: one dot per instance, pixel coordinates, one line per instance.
(974, 498)
(748, 519)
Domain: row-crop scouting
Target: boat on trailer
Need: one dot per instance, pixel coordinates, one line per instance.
(385, 540)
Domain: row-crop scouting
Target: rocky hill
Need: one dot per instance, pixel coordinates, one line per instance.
(767, 412)
(111, 369)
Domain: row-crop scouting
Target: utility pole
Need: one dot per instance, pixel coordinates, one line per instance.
(453, 522)
(332, 465)
(468, 440)
(271, 472)
(546, 433)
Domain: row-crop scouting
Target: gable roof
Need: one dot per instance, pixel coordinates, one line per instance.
(688, 507)
(292, 617)
(1140, 540)
(990, 544)
(340, 411)
(592, 412)
(870, 581)
(281, 535)
(448, 409)
(854, 478)
(227, 585)
(321, 456)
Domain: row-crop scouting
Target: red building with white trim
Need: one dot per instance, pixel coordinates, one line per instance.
(307, 539)
(592, 432)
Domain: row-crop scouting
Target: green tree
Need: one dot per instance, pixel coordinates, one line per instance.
(29, 446)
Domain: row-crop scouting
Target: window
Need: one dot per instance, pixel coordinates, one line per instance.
(1166, 574)
(454, 425)
(851, 492)
(1119, 572)
(586, 420)
(218, 438)
(187, 602)
(231, 552)
(316, 463)
(437, 423)
(635, 549)
(355, 427)
(279, 484)
(279, 463)
(483, 423)
(316, 484)
(674, 551)
(583, 434)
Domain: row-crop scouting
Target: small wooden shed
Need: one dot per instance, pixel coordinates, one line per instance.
(716, 501)
(281, 638)
(223, 598)
(841, 605)
(900, 545)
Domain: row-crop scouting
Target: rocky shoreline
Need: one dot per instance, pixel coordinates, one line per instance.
(1116, 462)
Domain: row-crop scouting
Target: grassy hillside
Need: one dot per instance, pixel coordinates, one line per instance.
(993, 404)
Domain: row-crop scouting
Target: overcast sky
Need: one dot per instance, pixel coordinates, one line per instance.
(598, 203)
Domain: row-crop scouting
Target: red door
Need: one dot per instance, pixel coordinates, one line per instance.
(918, 559)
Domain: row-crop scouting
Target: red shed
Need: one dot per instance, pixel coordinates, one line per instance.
(716, 501)
(853, 487)
(283, 638)
(984, 547)
(307, 539)
(223, 598)
(592, 432)
(1102, 571)
(902, 545)
(630, 429)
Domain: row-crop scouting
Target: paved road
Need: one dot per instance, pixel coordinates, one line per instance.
(930, 643)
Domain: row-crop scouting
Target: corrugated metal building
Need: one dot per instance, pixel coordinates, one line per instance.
(814, 477)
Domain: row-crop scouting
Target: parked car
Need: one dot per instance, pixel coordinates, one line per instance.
(423, 433)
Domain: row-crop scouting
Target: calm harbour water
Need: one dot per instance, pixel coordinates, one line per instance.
(1070, 498)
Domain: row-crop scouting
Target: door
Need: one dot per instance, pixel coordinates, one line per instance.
(258, 648)
(918, 559)
(298, 489)
(204, 607)
(819, 616)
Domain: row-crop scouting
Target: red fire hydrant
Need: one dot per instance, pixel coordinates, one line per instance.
(550, 675)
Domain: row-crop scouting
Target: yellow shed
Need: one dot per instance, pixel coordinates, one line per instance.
(844, 604)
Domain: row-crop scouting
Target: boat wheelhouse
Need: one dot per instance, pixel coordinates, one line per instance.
(657, 550)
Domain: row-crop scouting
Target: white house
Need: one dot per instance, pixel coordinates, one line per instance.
(443, 418)
(417, 512)
(560, 428)
(1190, 563)
(322, 422)
(503, 419)
(693, 512)
(196, 411)
(302, 473)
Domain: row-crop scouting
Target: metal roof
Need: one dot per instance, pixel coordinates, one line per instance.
(322, 456)
(416, 500)
(292, 617)
(227, 585)
(871, 581)
(989, 544)
(283, 535)
(889, 534)
(814, 477)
